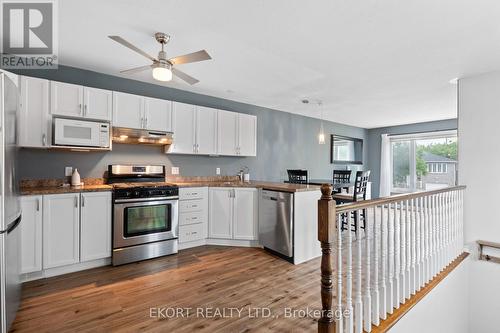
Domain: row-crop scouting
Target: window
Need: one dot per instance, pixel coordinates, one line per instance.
(423, 161)
(437, 167)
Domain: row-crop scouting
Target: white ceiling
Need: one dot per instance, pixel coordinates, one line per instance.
(373, 63)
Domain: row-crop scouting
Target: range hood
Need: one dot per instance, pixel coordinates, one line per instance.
(141, 136)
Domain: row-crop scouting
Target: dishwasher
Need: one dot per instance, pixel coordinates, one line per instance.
(276, 222)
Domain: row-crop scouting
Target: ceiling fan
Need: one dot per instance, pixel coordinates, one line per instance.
(163, 68)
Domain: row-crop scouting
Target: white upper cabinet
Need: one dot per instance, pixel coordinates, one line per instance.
(97, 103)
(247, 135)
(195, 129)
(71, 100)
(128, 110)
(227, 133)
(34, 120)
(95, 226)
(237, 134)
(61, 229)
(157, 114)
(66, 99)
(206, 131)
(183, 126)
(139, 112)
(31, 234)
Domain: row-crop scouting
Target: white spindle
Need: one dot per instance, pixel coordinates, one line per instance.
(338, 265)
(375, 270)
(402, 274)
(383, 264)
(358, 303)
(413, 276)
(367, 300)
(441, 231)
(397, 254)
(418, 243)
(408, 249)
(349, 328)
(427, 241)
(390, 260)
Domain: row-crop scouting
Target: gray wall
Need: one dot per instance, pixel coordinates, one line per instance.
(373, 142)
(284, 140)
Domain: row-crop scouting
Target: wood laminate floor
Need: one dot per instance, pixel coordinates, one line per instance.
(210, 278)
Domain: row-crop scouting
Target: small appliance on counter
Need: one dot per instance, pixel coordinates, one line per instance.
(145, 213)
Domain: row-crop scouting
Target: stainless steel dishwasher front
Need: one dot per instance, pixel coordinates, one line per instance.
(276, 222)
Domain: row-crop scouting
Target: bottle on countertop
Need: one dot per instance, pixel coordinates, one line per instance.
(75, 178)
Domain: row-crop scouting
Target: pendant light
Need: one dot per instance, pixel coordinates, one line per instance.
(321, 135)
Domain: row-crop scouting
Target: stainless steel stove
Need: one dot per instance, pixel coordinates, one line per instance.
(145, 213)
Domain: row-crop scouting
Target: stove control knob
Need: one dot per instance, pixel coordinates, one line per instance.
(136, 193)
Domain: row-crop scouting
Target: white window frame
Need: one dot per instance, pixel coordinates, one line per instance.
(413, 138)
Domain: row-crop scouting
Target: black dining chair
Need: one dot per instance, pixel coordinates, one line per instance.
(297, 176)
(359, 194)
(341, 177)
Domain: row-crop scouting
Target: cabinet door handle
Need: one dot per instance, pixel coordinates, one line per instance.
(44, 139)
(81, 110)
(37, 204)
(83, 201)
(85, 110)
(76, 202)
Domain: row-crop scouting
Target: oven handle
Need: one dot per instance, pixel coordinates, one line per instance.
(146, 200)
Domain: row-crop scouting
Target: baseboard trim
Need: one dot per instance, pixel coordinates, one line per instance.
(387, 324)
(50, 272)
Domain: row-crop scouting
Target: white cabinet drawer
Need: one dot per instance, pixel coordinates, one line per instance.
(193, 193)
(192, 232)
(192, 218)
(191, 206)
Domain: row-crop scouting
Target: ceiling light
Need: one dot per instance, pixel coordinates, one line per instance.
(162, 73)
(321, 135)
(123, 137)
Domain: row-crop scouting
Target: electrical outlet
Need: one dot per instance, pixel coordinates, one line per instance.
(175, 170)
(68, 171)
(217, 171)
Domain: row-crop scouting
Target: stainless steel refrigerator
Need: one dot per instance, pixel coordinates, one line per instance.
(10, 211)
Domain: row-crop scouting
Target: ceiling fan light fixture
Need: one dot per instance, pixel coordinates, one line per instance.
(162, 73)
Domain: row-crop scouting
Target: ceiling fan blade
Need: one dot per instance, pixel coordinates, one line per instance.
(136, 69)
(191, 57)
(131, 46)
(183, 76)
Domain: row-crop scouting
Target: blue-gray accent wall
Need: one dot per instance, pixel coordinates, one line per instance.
(284, 140)
(374, 138)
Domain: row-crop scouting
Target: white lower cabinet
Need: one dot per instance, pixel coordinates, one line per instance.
(95, 226)
(245, 214)
(233, 213)
(64, 229)
(193, 214)
(61, 229)
(31, 234)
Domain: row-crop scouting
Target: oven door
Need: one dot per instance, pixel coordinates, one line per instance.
(140, 221)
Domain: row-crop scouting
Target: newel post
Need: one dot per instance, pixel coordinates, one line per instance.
(326, 235)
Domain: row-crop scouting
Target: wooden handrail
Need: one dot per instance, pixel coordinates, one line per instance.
(348, 207)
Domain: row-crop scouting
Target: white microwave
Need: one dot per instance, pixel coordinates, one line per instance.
(81, 133)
